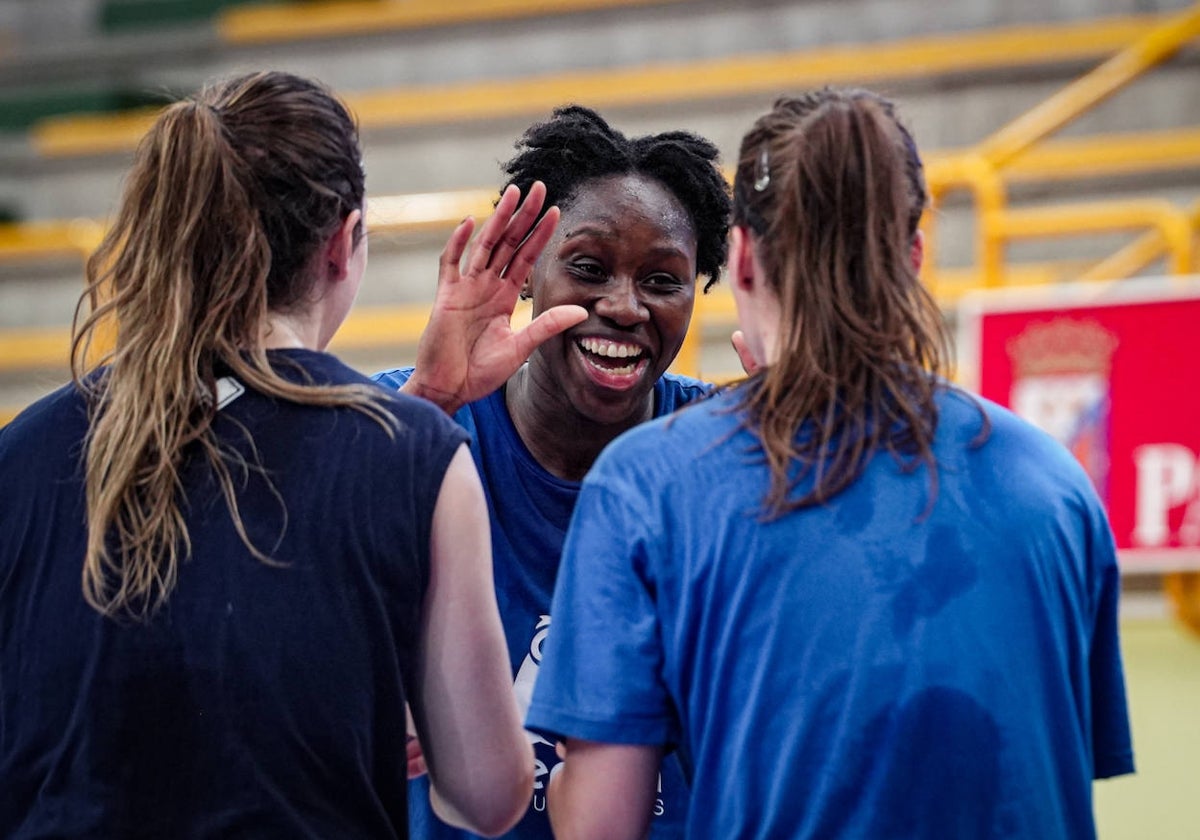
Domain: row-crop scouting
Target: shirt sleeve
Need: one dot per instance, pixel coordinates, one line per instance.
(1112, 746)
(601, 672)
(393, 379)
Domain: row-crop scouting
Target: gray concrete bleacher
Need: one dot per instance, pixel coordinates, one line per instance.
(60, 44)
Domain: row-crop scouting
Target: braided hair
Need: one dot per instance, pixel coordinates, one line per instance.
(576, 145)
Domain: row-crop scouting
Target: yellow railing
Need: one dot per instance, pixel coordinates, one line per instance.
(1012, 154)
(1170, 230)
(275, 22)
(1018, 152)
(684, 81)
(42, 240)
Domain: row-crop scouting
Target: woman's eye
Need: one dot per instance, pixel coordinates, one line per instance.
(663, 282)
(588, 271)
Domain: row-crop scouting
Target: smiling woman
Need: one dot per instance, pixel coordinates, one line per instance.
(641, 218)
(625, 250)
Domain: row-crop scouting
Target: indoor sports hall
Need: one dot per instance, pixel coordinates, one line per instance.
(1062, 153)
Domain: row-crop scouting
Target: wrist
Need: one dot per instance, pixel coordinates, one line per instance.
(446, 401)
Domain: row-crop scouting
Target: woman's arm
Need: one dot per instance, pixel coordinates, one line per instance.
(603, 791)
(479, 759)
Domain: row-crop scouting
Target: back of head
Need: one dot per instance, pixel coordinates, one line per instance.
(831, 186)
(230, 197)
(576, 145)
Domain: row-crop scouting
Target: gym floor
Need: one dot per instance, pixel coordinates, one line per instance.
(1162, 674)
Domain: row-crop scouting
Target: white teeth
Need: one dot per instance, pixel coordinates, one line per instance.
(624, 370)
(611, 349)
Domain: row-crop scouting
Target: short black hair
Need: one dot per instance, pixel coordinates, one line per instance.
(576, 145)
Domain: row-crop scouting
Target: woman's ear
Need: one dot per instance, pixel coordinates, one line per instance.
(342, 245)
(740, 267)
(917, 252)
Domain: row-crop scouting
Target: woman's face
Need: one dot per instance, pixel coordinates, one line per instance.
(625, 250)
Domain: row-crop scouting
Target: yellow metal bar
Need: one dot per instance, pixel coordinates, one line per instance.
(1150, 49)
(1131, 259)
(37, 240)
(677, 82)
(396, 213)
(1093, 217)
(687, 360)
(31, 348)
(1138, 254)
(365, 328)
(1171, 222)
(333, 18)
(381, 326)
(1115, 154)
(1125, 153)
(952, 284)
(990, 199)
(717, 309)
(929, 227)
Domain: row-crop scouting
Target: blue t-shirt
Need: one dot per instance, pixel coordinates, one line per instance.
(863, 668)
(530, 510)
(263, 700)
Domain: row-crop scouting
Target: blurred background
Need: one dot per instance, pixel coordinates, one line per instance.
(1062, 144)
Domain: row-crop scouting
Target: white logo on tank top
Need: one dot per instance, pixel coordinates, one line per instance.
(228, 390)
(527, 675)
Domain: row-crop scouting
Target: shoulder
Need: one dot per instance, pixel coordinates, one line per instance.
(661, 448)
(963, 414)
(673, 391)
(416, 418)
(46, 424)
(393, 379)
(41, 453)
(1020, 456)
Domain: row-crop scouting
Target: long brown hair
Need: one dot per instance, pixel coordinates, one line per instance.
(229, 198)
(832, 187)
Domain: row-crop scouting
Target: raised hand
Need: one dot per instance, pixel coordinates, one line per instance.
(468, 348)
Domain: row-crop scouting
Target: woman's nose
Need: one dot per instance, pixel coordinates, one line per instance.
(622, 305)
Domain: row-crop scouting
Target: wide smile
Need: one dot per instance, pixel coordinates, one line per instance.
(612, 364)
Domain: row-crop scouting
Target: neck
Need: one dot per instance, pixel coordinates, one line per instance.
(279, 332)
(560, 440)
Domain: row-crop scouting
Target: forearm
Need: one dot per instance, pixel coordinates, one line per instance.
(502, 814)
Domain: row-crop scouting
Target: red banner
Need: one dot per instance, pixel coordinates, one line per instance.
(1113, 372)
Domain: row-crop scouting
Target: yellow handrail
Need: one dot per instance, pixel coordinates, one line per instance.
(1148, 51)
(38, 240)
(985, 169)
(1143, 251)
(1014, 153)
(276, 22)
(1171, 232)
(652, 84)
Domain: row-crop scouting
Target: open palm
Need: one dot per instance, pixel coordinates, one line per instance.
(469, 348)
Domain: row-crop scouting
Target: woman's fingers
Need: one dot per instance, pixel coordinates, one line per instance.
(506, 230)
(455, 245)
(492, 231)
(415, 758)
(519, 227)
(550, 323)
(527, 253)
